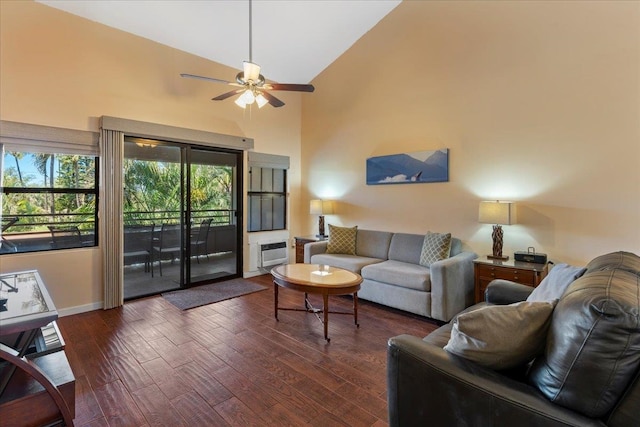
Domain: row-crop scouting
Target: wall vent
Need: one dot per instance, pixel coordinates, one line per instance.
(273, 254)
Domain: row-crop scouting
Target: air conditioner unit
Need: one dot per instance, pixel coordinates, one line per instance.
(273, 254)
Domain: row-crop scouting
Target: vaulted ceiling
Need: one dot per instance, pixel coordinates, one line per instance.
(293, 40)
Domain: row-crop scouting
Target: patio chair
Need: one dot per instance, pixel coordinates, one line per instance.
(168, 246)
(138, 241)
(64, 237)
(5, 245)
(199, 246)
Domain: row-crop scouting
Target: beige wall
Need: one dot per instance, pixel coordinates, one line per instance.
(538, 102)
(57, 69)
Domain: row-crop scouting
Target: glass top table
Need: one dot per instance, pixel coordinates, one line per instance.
(25, 303)
(25, 307)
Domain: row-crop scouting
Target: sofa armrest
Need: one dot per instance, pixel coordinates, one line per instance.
(313, 248)
(428, 386)
(502, 292)
(452, 285)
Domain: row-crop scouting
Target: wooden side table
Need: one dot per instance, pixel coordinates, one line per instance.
(526, 273)
(300, 242)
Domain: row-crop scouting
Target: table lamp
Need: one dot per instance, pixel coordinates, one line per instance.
(497, 213)
(321, 208)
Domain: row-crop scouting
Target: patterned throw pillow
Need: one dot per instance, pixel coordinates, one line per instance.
(342, 240)
(435, 247)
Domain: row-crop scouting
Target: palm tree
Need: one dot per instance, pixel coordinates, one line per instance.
(41, 160)
(18, 156)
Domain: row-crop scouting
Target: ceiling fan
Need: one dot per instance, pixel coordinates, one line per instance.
(252, 85)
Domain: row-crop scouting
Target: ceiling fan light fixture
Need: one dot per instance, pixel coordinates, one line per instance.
(251, 71)
(240, 102)
(248, 97)
(252, 85)
(261, 100)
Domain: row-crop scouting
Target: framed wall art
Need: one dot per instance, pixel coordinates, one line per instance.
(409, 168)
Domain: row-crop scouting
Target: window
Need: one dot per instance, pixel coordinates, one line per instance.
(49, 201)
(267, 199)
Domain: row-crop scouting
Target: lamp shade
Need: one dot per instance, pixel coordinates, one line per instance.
(321, 207)
(497, 212)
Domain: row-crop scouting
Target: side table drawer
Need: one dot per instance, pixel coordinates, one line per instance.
(507, 273)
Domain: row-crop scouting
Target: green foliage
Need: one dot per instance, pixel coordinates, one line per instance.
(73, 172)
(152, 189)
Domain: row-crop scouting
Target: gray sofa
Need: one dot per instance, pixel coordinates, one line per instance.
(392, 276)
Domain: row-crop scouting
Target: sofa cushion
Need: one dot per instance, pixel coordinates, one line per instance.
(353, 263)
(412, 276)
(592, 353)
(373, 244)
(342, 240)
(623, 260)
(501, 336)
(557, 281)
(435, 247)
(441, 336)
(406, 247)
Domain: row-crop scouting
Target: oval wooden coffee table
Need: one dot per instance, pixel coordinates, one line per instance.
(317, 279)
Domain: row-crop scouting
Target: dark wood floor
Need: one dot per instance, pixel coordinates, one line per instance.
(232, 364)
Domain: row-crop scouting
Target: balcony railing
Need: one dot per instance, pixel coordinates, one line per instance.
(30, 233)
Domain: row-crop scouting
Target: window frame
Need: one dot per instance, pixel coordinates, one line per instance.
(30, 138)
(267, 194)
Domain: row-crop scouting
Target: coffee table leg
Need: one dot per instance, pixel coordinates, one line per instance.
(275, 299)
(325, 308)
(355, 309)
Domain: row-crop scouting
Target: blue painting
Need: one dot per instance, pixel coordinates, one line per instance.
(409, 168)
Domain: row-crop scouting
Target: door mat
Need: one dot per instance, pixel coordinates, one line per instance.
(202, 295)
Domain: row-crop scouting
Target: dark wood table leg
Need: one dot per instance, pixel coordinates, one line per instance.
(355, 309)
(325, 308)
(275, 299)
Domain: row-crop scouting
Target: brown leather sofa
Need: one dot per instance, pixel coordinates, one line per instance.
(587, 375)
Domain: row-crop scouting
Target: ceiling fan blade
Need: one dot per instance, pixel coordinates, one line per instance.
(227, 95)
(290, 86)
(275, 102)
(210, 79)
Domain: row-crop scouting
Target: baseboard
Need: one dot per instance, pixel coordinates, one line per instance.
(259, 272)
(248, 274)
(80, 309)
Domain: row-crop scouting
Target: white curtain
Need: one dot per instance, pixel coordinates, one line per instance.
(112, 154)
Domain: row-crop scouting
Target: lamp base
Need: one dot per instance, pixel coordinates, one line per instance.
(321, 236)
(498, 257)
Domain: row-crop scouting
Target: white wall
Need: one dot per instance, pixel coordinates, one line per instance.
(538, 102)
(57, 69)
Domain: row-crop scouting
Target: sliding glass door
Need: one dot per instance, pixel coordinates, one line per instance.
(180, 210)
(213, 208)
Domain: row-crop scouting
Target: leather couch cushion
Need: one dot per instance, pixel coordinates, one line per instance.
(501, 336)
(622, 260)
(592, 345)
